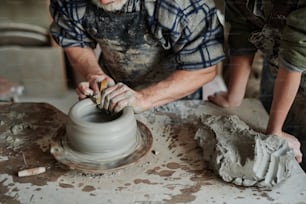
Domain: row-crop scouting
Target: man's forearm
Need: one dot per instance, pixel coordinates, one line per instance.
(84, 61)
(178, 85)
(285, 89)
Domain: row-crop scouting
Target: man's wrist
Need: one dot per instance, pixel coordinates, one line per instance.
(91, 75)
(145, 102)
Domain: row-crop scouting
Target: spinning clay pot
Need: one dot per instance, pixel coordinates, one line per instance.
(93, 131)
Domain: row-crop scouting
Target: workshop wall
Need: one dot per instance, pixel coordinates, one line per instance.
(27, 57)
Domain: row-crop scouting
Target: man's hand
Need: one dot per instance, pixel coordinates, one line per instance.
(294, 144)
(117, 97)
(91, 87)
(223, 99)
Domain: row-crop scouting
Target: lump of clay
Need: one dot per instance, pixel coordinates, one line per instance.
(241, 155)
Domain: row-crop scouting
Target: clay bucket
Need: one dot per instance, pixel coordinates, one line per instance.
(92, 131)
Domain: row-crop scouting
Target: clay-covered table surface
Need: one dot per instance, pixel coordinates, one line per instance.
(171, 172)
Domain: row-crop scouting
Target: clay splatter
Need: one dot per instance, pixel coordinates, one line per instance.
(66, 185)
(88, 188)
(16, 156)
(186, 195)
(145, 181)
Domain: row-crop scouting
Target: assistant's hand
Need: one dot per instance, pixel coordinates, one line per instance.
(294, 144)
(117, 97)
(90, 87)
(223, 99)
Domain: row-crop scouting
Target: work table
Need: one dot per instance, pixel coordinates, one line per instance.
(171, 172)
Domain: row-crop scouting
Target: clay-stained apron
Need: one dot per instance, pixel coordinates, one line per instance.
(129, 52)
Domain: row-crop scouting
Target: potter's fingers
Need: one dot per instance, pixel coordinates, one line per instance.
(121, 93)
(110, 82)
(108, 91)
(108, 100)
(98, 79)
(105, 104)
(80, 94)
(83, 85)
(120, 101)
(94, 84)
(83, 89)
(115, 91)
(106, 96)
(111, 92)
(120, 105)
(120, 87)
(104, 100)
(86, 92)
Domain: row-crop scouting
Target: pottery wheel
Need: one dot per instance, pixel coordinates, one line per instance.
(94, 163)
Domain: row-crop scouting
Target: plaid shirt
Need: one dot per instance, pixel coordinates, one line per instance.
(190, 28)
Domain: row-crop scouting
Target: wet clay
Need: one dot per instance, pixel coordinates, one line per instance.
(241, 155)
(92, 131)
(96, 140)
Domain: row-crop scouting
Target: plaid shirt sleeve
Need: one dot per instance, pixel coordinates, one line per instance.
(66, 28)
(191, 29)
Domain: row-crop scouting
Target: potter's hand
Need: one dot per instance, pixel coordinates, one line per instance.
(119, 96)
(294, 144)
(223, 99)
(91, 87)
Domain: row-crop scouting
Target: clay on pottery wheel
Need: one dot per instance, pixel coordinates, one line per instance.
(93, 131)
